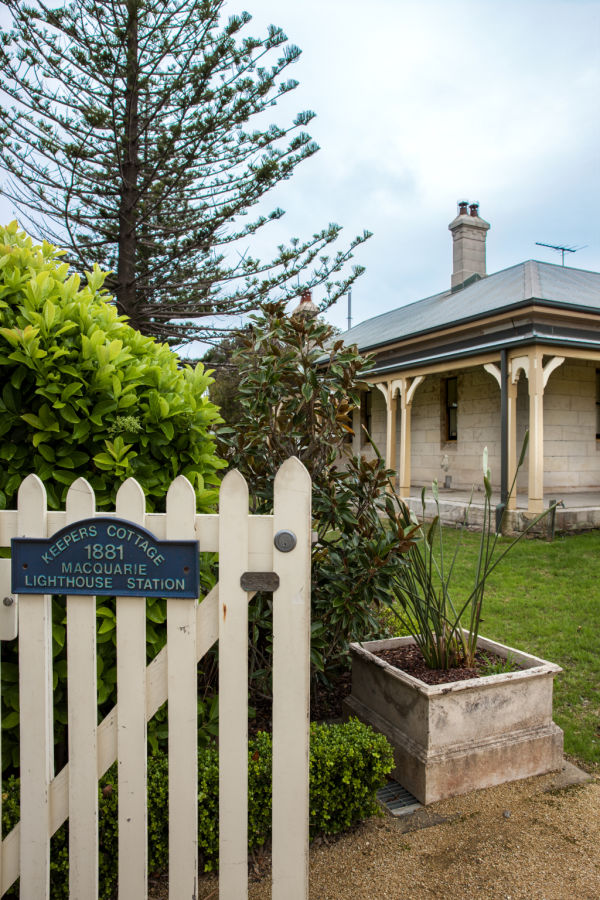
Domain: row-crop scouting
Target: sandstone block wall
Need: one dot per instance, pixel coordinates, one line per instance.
(378, 420)
(571, 451)
(378, 427)
(478, 426)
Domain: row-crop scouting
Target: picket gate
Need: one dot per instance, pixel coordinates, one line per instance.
(245, 544)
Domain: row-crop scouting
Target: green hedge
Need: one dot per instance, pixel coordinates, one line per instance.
(348, 763)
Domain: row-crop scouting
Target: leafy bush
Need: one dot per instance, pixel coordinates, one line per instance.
(348, 763)
(84, 394)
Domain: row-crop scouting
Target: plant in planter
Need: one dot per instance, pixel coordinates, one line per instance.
(460, 731)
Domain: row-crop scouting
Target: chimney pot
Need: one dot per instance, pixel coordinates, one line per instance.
(474, 209)
(462, 207)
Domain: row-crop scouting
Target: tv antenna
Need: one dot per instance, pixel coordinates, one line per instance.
(349, 310)
(562, 249)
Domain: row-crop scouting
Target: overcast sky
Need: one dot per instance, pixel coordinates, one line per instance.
(421, 103)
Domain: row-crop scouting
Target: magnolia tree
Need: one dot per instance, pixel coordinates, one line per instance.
(298, 386)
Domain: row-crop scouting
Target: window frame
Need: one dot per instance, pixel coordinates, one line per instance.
(450, 408)
(598, 404)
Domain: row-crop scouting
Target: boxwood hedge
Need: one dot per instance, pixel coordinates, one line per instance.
(348, 763)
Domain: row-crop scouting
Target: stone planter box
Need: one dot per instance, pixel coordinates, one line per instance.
(457, 737)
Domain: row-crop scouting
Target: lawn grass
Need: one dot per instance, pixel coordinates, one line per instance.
(544, 598)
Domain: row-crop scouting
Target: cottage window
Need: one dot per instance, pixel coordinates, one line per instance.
(598, 404)
(366, 402)
(451, 409)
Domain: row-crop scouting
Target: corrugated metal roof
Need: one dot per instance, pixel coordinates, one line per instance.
(529, 280)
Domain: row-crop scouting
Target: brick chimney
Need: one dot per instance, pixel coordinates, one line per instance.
(468, 243)
(306, 307)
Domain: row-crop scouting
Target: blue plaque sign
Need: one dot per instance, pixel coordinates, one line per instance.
(105, 556)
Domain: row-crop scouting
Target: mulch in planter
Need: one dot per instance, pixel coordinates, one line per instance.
(410, 659)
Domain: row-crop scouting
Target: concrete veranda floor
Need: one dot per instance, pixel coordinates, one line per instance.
(572, 499)
(576, 510)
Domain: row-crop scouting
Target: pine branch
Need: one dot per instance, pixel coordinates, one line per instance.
(130, 140)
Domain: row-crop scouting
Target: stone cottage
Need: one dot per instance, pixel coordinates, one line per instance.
(478, 365)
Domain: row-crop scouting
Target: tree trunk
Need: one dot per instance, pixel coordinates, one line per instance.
(126, 294)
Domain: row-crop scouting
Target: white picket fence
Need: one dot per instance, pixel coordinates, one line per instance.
(245, 543)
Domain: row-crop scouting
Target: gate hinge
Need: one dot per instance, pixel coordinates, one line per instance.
(9, 618)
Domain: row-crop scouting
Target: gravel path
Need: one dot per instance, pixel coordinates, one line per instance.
(537, 839)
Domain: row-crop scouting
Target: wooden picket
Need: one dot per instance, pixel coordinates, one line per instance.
(291, 673)
(82, 704)
(131, 720)
(37, 734)
(233, 688)
(245, 544)
(183, 710)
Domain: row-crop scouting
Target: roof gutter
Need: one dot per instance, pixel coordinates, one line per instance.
(519, 340)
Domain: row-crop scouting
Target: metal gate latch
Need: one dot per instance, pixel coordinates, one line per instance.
(285, 541)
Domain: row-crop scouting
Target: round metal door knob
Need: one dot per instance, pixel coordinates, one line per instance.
(285, 541)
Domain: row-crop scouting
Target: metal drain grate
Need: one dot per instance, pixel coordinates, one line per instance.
(397, 799)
